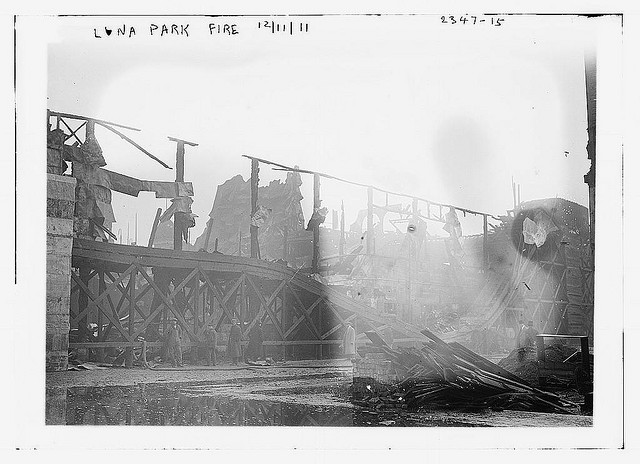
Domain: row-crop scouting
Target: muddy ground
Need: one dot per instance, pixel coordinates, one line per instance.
(293, 393)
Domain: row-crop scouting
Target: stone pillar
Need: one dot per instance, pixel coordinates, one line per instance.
(60, 206)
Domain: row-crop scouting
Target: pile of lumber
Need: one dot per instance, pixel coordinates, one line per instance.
(448, 375)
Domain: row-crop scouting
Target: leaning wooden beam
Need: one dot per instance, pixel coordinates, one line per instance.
(121, 135)
(154, 228)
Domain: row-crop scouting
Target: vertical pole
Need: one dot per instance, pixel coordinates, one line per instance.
(591, 80)
(83, 301)
(102, 286)
(513, 188)
(586, 364)
(316, 227)
(407, 315)
(369, 243)
(196, 312)
(244, 307)
(519, 200)
(485, 240)
(255, 169)
(132, 299)
(177, 231)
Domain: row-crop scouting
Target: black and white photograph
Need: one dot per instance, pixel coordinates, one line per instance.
(336, 223)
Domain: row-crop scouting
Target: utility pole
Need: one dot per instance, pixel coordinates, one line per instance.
(178, 217)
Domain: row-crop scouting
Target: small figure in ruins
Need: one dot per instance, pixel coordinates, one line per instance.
(349, 341)
(174, 342)
(211, 338)
(527, 335)
(233, 346)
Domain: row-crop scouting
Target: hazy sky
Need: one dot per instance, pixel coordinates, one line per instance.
(442, 111)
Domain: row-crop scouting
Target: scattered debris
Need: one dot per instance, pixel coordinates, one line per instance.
(441, 375)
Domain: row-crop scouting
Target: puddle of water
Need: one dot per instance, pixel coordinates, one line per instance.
(189, 404)
(230, 404)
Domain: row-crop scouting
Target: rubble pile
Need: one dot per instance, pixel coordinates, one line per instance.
(441, 375)
(523, 362)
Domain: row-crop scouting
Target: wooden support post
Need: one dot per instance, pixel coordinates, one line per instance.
(485, 241)
(177, 232)
(196, 312)
(253, 230)
(369, 242)
(244, 306)
(316, 227)
(586, 363)
(320, 327)
(132, 314)
(83, 301)
(285, 319)
(409, 311)
(154, 228)
(102, 286)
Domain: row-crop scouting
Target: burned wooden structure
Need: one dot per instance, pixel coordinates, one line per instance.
(130, 293)
(119, 295)
(139, 289)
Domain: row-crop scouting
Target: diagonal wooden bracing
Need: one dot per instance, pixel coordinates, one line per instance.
(149, 286)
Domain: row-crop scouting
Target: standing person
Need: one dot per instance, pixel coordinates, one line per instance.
(522, 329)
(211, 339)
(349, 341)
(255, 349)
(233, 346)
(175, 339)
(530, 334)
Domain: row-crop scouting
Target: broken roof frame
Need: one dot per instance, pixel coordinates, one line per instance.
(465, 211)
(60, 118)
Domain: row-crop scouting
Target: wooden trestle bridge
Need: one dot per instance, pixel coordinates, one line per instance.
(135, 290)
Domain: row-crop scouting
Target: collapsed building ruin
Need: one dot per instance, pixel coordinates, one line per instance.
(260, 261)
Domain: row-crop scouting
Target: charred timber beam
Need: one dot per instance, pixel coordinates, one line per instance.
(282, 167)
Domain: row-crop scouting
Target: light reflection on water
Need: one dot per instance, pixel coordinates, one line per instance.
(179, 404)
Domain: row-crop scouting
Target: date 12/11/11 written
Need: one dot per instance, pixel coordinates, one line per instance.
(472, 20)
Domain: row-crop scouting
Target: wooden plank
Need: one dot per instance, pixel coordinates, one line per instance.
(154, 227)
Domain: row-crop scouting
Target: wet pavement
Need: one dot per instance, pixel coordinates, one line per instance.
(310, 400)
